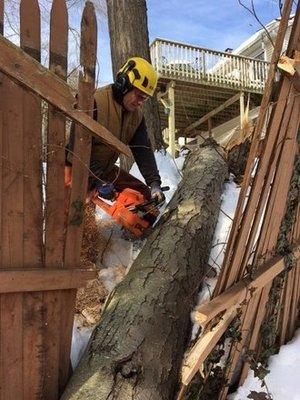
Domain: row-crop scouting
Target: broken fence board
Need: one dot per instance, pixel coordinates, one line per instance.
(29, 280)
(204, 346)
(239, 291)
(253, 150)
(29, 73)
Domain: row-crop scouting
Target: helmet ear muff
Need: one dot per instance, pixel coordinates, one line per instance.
(122, 81)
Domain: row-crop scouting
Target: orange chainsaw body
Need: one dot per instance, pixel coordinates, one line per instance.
(124, 212)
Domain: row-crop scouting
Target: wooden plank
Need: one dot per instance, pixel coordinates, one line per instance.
(286, 304)
(234, 295)
(33, 323)
(55, 198)
(11, 347)
(34, 367)
(29, 73)
(254, 147)
(82, 145)
(261, 299)
(295, 304)
(241, 290)
(249, 311)
(209, 115)
(265, 176)
(82, 148)
(267, 246)
(276, 203)
(282, 178)
(11, 373)
(1, 172)
(277, 207)
(1, 17)
(38, 279)
(204, 346)
(55, 189)
(32, 125)
(257, 200)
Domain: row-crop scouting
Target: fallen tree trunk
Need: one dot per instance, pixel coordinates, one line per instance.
(137, 350)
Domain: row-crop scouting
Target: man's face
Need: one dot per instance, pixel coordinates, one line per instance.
(134, 100)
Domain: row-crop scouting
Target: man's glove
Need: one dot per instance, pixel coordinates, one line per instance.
(106, 190)
(157, 193)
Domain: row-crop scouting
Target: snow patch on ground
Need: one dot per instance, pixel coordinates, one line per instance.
(228, 205)
(169, 169)
(119, 254)
(283, 381)
(80, 338)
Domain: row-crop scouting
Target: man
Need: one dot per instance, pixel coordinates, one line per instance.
(118, 107)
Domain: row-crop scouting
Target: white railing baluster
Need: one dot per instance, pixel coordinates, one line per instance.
(196, 64)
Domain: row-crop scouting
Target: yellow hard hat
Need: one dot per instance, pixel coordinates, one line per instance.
(139, 73)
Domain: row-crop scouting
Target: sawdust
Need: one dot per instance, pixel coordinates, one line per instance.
(90, 300)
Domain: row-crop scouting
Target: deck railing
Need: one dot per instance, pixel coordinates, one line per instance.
(195, 64)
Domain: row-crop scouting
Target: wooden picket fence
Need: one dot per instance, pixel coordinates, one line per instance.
(259, 285)
(39, 243)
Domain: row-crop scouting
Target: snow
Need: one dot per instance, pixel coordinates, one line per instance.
(283, 379)
(80, 337)
(228, 205)
(169, 169)
(121, 253)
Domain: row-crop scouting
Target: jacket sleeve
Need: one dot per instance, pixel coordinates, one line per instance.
(143, 154)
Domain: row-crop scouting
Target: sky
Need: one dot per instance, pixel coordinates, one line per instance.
(213, 24)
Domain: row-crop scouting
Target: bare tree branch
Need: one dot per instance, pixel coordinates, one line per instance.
(253, 12)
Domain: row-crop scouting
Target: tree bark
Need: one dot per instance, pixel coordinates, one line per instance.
(128, 29)
(137, 350)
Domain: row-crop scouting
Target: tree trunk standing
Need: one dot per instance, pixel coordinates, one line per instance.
(128, 29)
(137, 350)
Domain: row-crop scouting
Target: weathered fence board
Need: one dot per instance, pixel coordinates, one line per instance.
(23, 69)
(82, 149)
(37, 291)
(55, 197)
(33, 322)
(254, 236)
(234, 234)
(12, 238)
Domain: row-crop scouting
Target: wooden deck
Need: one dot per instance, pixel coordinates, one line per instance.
(204, 80)
(193, 101)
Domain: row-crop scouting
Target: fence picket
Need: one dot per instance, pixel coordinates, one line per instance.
(82, 149)
(11, 373)
(1, 17)
(33, 322)
(55, 197)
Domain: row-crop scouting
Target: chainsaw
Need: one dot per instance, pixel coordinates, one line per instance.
(132, 210)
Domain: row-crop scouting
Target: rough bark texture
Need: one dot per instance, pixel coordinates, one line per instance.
(237, 160)
(128, 29)
(137, 350)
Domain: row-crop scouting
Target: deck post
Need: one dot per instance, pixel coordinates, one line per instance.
(171, 118)
(242, 108)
